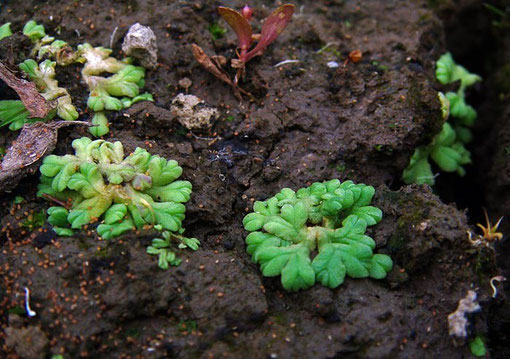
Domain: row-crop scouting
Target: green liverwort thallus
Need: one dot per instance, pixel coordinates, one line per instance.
(329, 218)
(98, 183)
(447, 148)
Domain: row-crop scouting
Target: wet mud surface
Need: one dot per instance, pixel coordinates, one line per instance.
(309, 122)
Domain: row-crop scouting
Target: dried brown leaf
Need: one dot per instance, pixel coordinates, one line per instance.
(35, 141)
(27, 92)
(209, 65)
(214, 69)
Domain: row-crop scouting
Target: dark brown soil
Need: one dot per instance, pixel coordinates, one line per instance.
(309, 122)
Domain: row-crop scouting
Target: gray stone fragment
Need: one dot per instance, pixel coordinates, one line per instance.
(458, 320)
(140, 43)
(192, 112)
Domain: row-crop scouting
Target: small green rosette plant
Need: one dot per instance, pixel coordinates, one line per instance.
(98, 183)
(329, 219)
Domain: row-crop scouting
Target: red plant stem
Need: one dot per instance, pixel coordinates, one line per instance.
(56, 200)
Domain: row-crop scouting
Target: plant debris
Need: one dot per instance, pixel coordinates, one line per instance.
(27, 92)
(33, 143)
(212, 65)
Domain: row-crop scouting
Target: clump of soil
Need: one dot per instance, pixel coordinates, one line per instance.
(309, 123)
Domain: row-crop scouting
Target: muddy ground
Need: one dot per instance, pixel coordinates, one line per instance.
(308, 123)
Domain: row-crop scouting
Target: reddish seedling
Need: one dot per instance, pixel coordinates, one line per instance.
(239, 21)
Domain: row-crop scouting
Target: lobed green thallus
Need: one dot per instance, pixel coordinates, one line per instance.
(329, 218)
(112, 93)
(132, 192)
(5, 30)
(14, 113)
(447, 148)
(43, 75)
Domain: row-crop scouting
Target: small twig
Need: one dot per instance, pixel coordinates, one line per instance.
(203, 138)
(56, 200)
(499, 278)
(30, 312)
(284, 62)
(218, 72)
(325, 47)
(34, 102)
(112, 36)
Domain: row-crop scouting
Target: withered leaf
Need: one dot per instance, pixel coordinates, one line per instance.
(35, 141)
(27, 92)
(209, 65)
(217, 71)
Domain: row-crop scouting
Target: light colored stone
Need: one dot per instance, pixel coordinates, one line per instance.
(458, 320)
(192, 112)
(140, 43)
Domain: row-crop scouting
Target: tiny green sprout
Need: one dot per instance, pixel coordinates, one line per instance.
(165, 249)
(34, 31)
(187, 326)
(18, 310)
(341, 168)
(477, 347)
(45, 45)
(18, 200)
(328, 218)
(34, 220)
(216, 31)
(5, 30)
(98, 183)
(2, 152)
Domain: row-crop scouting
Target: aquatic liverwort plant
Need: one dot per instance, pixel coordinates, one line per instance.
(447, 149)
(328, 218)
(113, 84)
(44, 45)
(98, 183)
(14, 112)
(115, 92)
(43, 75)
